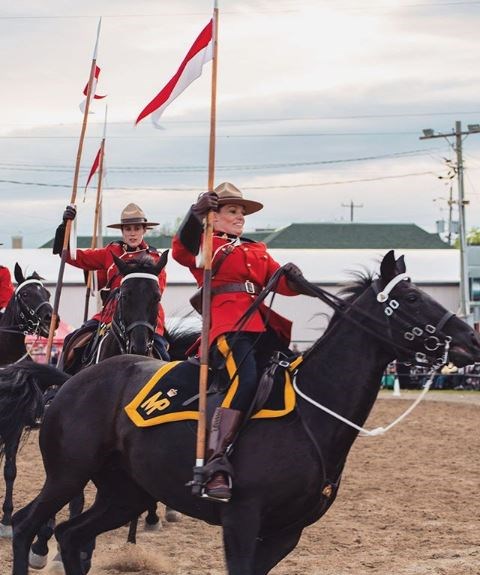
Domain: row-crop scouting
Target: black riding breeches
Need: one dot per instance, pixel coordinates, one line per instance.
(234, 355)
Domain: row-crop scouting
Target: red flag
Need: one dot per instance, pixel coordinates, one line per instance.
(94, 168)
(190, 69)
(94, 88)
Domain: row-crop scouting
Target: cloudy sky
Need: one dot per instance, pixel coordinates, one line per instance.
(320, 104)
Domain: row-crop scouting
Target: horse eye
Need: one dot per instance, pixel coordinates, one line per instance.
(411, 297)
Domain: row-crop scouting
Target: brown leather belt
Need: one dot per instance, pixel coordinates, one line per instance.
(245, 287)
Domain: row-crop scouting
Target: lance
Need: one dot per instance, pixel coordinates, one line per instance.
(207, 277)
(68, 225)
(96, 217)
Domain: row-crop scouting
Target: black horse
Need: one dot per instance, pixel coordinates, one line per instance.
(22, 388)
(28, 311)
(132, 330)
(287, 470)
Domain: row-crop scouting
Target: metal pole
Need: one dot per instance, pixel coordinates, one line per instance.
(464, 287)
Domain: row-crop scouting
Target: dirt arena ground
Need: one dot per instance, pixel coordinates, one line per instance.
(409, 505)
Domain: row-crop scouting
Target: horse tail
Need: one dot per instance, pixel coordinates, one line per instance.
(22, 403)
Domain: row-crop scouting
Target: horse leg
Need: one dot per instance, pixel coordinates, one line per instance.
(38, 555)
(118, 501)
(241, 524)
(152, 522)
(39, 550)
(9, 474)
(75, 507)
(27, 522)
(132, 531)
(272, 550)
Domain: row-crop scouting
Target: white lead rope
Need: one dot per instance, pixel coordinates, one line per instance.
(365, 432)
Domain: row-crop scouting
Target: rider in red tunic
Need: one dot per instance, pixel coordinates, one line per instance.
(133, 225)
(240, 269)
(6, 288)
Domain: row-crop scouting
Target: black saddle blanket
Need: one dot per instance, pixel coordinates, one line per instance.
(170, 395)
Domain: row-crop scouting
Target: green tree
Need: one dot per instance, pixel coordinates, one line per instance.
(473, 238)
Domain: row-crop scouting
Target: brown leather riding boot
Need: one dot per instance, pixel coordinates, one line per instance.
(225, 424)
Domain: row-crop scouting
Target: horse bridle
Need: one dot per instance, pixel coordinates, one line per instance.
(121, 331)
(28, 318)
(431, 333)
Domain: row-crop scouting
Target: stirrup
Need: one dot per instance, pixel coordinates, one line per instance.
(205, 495)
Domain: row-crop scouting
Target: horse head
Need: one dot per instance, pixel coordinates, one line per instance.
(30, 303)
(422, 329)
(135, 317)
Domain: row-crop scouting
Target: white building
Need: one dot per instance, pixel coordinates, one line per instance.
(437, 271)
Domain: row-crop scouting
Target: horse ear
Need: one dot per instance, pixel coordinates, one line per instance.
(162, 262)
(401, 267)
(18, 274)
(388, 268)
(121, 265)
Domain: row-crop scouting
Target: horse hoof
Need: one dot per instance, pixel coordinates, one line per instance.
(6, 531)
(56, 565)
(172, 516)
(153, 526)
(37, 561)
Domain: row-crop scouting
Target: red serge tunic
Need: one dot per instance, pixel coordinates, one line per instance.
(248, 261)
(101, 259)
(6, 287)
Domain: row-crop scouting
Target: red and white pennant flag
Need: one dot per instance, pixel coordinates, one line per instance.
(95, 96)
(94, 167)
(190, 69)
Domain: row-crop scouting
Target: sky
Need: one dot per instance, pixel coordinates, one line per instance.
(320, 104)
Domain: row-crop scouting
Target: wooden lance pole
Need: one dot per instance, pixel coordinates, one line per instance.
(207, 277)
(96, 217)
(68, 225)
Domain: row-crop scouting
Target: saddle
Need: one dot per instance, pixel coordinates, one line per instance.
(171, 394)
(79, 347)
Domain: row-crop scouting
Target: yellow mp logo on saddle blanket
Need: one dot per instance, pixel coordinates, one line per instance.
(170, 395)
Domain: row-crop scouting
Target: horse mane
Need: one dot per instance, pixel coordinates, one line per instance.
(361, 281)
(182, 332)
(143, 264)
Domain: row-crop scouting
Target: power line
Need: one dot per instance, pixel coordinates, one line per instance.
(188, 189)
(225, 167)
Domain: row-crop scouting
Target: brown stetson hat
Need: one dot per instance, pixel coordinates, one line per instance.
(132, 214)
(228, 194)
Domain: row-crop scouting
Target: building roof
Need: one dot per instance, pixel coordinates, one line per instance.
(319, 236)
(354, 236)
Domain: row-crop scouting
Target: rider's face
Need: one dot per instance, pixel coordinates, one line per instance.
(229, 219)
(133, 234)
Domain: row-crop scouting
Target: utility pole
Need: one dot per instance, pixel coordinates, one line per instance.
(462, 233)
(352, 206)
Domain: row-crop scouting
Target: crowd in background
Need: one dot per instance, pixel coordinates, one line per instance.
(448, 377)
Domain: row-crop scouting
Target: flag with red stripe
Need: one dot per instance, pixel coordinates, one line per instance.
(190, 69)
(94, 95)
